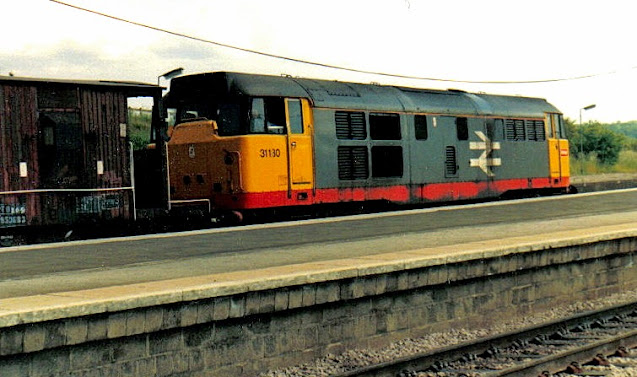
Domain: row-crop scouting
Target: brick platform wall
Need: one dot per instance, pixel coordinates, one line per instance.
(247, 333)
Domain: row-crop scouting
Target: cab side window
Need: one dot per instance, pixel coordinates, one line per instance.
(257, 116)
(274, 115)
(555, 125)
(295, 113)
(561, 129)
(267, 116)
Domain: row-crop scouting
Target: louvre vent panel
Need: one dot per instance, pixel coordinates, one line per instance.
(535, 130)
(530, 130)
(342, 125)
(510, 129)
(358, 126)
(350, 125)
(519, 130)
(451, 164)
(352, 163)
(539, 130)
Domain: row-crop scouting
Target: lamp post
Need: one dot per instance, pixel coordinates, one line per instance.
(581, 135)
(170, 74)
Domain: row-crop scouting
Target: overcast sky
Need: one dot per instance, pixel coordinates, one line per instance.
(468, 40)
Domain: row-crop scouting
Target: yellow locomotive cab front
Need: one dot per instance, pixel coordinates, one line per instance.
(270, 164)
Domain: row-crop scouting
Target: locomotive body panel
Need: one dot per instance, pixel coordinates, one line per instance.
(371, 142)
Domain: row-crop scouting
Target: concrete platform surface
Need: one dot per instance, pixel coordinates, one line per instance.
(56, 305)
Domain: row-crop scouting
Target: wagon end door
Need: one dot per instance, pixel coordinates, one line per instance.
(300, 147)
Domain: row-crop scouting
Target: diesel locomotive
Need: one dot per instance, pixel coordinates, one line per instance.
(245, 142)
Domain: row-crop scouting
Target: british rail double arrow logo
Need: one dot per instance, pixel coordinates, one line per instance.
(485, 161)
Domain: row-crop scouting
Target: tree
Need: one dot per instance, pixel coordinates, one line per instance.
(601, 141)
(594, 138)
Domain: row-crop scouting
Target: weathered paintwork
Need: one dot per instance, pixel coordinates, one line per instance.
(65, 154)
(475, 145)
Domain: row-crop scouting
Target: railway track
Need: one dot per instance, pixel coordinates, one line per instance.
(562, 346)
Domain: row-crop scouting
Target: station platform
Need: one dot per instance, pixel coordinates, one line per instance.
(56, 305)
(243, 313)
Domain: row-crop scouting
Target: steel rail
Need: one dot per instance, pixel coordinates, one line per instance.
(438, 357)
(561, 359)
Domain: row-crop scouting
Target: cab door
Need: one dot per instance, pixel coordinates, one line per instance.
(300, 151)
(558, 149)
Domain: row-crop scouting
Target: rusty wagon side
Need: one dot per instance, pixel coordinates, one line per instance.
(65, 156)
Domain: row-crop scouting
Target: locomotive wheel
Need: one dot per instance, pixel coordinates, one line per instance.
(237, 217)
(230, 218)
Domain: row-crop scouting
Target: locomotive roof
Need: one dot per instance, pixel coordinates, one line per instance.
(347, 95)
(133, 88)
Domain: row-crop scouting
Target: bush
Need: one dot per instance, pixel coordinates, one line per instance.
(139, 127)
(595, 139)
(604, 143)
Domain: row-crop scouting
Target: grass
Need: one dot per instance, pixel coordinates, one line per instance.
(627, 163)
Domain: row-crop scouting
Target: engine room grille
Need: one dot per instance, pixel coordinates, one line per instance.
(514, 129)
(352, 163)
(451, 162)
(350, 125)
(520, 130)
(535, 130)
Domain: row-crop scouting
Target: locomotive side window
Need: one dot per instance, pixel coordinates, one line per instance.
(171, 117)
(275, 115)
(559, 128)
(550, 128)
(295, 113)
(188, 112)
(257, 116)
(384, 126)
(462, 128)
(551, 125)
(228, 119)
(420, 127)
(556, 127)
(387, 161)
(267, 116)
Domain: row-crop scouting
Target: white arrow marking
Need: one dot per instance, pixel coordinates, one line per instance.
(484, 162)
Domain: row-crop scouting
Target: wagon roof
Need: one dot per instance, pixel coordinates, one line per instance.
(135, 88)
(347, 95)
